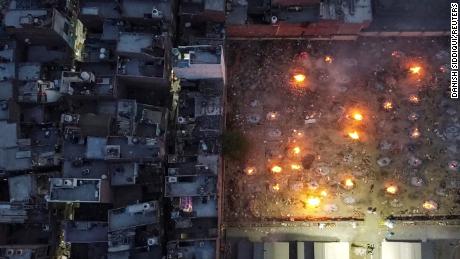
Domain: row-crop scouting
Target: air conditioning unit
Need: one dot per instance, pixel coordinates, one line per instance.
(67, 118)
(58, 182)
(172, 179)
(68, 183)
(173, 171)
(181, 120)
(156, 12)
(9, 252)
(152, 241)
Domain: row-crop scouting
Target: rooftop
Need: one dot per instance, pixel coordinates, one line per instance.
(6, 97)
(195, 166)
(198, 62)
(85, 231)
(87, 84)
(76, 190)
(199, 185)
(29, 71)
(147, 9)
(123, 173)
(15, 153)
(203, 249)
(22, 188)
(134, 215)
(27, 18)
(191, 207)
(12, 213)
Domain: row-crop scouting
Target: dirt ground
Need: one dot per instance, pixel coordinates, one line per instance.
(407, 126)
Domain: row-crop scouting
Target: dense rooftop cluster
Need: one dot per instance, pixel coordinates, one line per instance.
(111, 118)
(115, 118)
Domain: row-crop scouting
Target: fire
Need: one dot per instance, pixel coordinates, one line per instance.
(328, 59)
(349, 183)
(276, 187)
(392, 189)
(313, 201)
(357, 116)
(296, 167)
(414, 99)
(387, 105)
(272, 115)
(299, 78)
(323, 193)
(416, 70)
(277, 169)
(250, 170)
(354, 135)
(296, 150)
(430, 205)
(415, 133)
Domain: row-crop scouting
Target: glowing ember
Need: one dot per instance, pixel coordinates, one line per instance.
(392, 189)
(276, 187)
(296, 167)
(430, 205)
(387, 105)
(415, 133)
(414, 99)
(357, 116)
(313, 201)
(415, 70)
(354, 135)
(277, 169)
(349, 183)
(328, 59)
(296, 150)
(250, 170)
(323, 193)
(272, 115)
(396, 54)
(299, 78)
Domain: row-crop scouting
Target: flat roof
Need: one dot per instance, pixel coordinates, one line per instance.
(75, 190)
(22, 188)
(13, 17)
(123, 173)
(199, 185)
(203, 249)
(134, 215)
(134, 42)
(85, 231)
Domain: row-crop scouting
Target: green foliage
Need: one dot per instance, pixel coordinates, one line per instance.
(235, 145)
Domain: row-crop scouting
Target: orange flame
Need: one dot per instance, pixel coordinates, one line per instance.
(299, 78)
(277, 169)
(429, 205)
(349, 183)
(296, 167)
(416, 70)
(354, 135)
(387, 105)
(313, 201)
(250, 170)
(414, 99)
(296, 150)
(276, 187)
(415, 133)
(357, 116)
(392, 189)
(323, 193)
